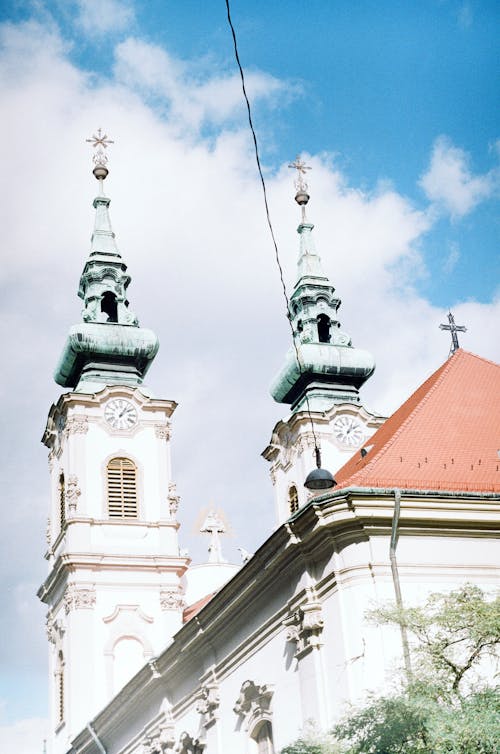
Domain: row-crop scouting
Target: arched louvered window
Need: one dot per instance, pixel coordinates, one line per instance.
(293, 499)
(122, 488)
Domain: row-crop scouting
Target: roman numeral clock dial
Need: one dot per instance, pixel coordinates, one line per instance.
(120, 414)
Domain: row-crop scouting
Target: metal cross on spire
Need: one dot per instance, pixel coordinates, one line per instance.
(301, 167)
(100, 142)
(453, 329)
(301, 197)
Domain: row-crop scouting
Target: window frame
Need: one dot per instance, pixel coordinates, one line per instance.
(122, 489)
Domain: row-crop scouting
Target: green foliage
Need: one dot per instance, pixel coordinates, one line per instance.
(411, 724)
(473, 727)
(434, 714)
(454, 632)
(388, 725)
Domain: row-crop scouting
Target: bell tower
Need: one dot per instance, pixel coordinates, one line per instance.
(114, 591)
(320, 379)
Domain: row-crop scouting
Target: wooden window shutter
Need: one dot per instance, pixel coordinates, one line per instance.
(122, 488)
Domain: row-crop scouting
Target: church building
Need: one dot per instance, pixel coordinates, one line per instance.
(149, 654)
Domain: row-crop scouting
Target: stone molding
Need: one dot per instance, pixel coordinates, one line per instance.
(172, 599)
(254, 702)
(76, 425)
(163, 431)
(124, 612)
(208, 703)
(79, 598)
(305, 626)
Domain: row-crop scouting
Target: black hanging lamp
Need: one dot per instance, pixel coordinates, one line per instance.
(318, 478)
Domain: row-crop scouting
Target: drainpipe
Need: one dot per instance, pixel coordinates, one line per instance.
(94, 736)
(395, 580)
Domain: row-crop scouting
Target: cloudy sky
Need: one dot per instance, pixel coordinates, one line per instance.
(394, 106)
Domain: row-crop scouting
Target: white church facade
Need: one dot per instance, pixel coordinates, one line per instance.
(135, 666)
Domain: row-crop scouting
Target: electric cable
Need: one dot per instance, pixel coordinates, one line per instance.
(268, 216)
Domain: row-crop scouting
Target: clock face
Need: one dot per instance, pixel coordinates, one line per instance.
(120, 413)
(348, 431)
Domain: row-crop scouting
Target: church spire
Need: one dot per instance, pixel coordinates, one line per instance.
(103, 238)
(309, 264)
(331, 370)
(109, 347)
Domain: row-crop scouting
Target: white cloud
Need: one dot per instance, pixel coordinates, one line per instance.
(26, 736)
(99, 17)
(193, 97)
(449, 182)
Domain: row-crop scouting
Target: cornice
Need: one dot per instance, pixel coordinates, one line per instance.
(90, 561)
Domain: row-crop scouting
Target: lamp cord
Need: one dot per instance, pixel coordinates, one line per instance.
(317, 451)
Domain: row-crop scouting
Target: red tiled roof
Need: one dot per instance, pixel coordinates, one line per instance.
(192, 610)
(445, 436)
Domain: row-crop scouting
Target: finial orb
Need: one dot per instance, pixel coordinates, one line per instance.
(100, 172)
(301, 197)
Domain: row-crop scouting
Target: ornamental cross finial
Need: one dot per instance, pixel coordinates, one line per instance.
(301, 167)
(453, 329)
(100, 142)
(214, 526)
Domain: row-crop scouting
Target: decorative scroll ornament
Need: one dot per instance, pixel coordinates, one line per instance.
(53, 628)
(79, 598)
(48, 533)
(72, 494)
(172, 599)
(189, 745)
(208, 703)
(173, 500)
(163, 431)
(161, 742)
(254, 702)
(305, 626)
(76, 425)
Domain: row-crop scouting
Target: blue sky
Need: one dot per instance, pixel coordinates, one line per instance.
(394, 104)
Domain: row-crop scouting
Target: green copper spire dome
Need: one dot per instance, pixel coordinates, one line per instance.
(331, 369)
(108, 347)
